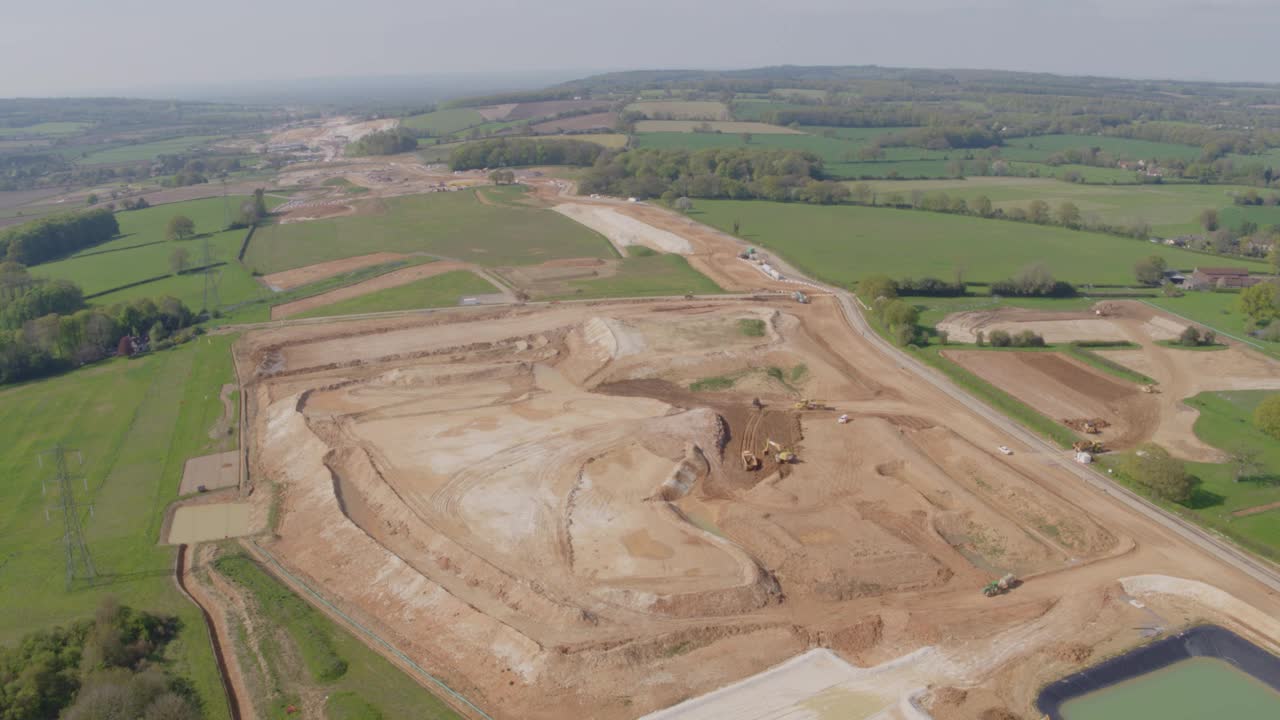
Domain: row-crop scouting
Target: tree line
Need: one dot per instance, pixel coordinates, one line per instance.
(739, 173)
(53, 237)
(384, 142)
(45, 327)
(514, 152)
(109, 667)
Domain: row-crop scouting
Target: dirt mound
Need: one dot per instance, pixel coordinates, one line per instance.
(1055, 327)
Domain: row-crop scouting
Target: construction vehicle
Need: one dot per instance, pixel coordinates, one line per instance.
(805, 404)
(1001, 586)
(800, 297)
(1091, 427)
(1090, 446)
(843, 419)
(749, 461)
(782, 455)
(1149, 389)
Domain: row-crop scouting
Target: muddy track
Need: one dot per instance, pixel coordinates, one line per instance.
(219, 654)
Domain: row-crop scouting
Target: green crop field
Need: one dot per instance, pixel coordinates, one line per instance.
(136, 422)
(723, 126)
(1170, 209)
(1039, 147)
(444, 122)
(843, 243)
(146, 151)
(647, 275)
(438, 291)
(454, 225)
(141, 252)
(681, 109)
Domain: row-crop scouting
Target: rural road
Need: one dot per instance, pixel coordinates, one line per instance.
(1260, 570)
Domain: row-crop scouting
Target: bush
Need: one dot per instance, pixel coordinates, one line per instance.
(1027, 338)
(876, 287)
(930, 287)
(1267, 416)
(1000, 338)
(1165, 476)
(1189, 337)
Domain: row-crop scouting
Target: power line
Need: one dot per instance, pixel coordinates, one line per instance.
(79, 562)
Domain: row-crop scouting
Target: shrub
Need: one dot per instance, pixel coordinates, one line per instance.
(1165, 476)
(1000, 338)
(1267, 416)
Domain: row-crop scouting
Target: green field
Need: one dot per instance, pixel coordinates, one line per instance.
(1226, 422)
(136, 422)
(141, 252)
(142, 152)
(439, 291)
(1170, 209)
(1039, 147)
(1261, 215)
(841, 244)
(647, 275)
(358, 681)
(453, 225)
(47, 129)
(444, 122)
(681, 109)
(1218, 311)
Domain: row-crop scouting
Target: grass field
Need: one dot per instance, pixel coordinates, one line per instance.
(1039, 147)
(1219, 311)
(729, 126)
(681, 109)
(648, 275)
(146, 151)
(46, 129)
(1225, 422)
(1263, 216)
(841, 244)
(444, 122)
(454, 225)
(368, 686)
(136, 422)
(1170, 209)
(439, 291)
(141, 252)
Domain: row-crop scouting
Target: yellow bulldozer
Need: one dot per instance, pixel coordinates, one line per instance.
(805, 404)
(1089, 446)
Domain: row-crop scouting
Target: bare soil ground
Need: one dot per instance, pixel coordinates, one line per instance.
(1162, 418)
(524, 111)
(1063, 388)
(196, 523)
(529, 502)
(544, 480)
(214, 472)
(290, 279)
(395, 278)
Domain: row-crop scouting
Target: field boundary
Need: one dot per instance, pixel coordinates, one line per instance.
(294, 581)
(219, 658)
(1250, 343)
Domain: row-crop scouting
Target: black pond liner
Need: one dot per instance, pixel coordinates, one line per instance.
(1202, 641)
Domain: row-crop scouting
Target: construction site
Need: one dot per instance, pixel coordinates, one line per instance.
(613, 509)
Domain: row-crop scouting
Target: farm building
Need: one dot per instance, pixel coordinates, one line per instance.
(1211, 278)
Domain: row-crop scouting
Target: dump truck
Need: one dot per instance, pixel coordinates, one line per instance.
(800, 297)
(1001, 586)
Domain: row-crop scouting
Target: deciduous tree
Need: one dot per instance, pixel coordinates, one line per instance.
(1164, 475)
(1150, 270)
(1267, 416)
(180, 227)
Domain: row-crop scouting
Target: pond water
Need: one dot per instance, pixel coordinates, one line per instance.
(1192, 689)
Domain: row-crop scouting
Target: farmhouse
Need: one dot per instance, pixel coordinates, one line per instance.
(1211, 278)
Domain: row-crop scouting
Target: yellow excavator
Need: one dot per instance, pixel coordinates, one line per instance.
(780, 454)
(749, 461)
(805, 404)
(1089, 446)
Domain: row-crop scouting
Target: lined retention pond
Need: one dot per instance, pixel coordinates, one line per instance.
(1205, 672)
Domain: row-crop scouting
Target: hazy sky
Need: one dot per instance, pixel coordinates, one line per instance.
(53, 47)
